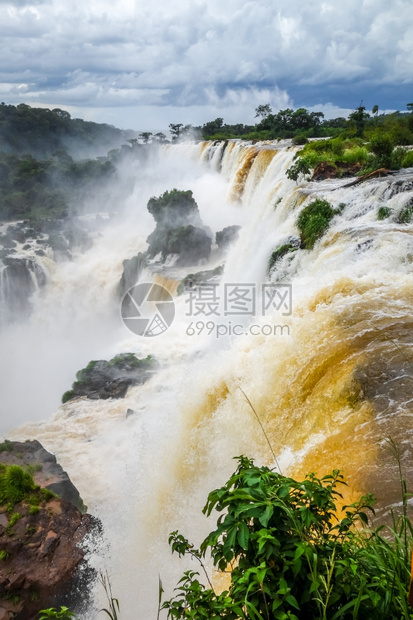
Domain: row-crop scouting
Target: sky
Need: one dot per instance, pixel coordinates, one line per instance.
(140, 64)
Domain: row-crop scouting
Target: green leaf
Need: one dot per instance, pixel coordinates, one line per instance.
(243, 535)
(266, 516)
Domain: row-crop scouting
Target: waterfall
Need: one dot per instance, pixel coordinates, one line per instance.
(328, 371)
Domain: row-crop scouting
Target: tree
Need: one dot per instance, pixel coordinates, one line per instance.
(300, 167)
(409, 106)
(145, 136)
(359, 117)
(160, 137)
(176, 130)
(213, 127)
(262, 111)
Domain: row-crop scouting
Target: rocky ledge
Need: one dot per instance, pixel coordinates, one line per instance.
(42, 534)
(103, 379)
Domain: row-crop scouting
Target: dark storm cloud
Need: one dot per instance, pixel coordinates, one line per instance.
(204, 53)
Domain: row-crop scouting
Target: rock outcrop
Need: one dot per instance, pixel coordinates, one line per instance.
(42, 536)
(341, 169)
(103, 379)
(45, 469)
(179, 229)
(226, 236)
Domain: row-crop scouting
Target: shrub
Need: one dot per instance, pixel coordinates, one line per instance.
(405, 215)
(299, 139)
(407, 161)
(397, 157)
(15, 484)
(382, 146)
(301, 167)
(67, 396)
(290, 556)
(53, 612)
(314, 221)
(383, 213)
(355, 155)
(6, 446)
(279, 253)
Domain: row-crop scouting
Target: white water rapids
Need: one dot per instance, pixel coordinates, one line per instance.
(327, 390)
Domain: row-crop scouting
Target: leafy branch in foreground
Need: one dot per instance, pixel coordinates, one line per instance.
(291, 557)
(63, 614)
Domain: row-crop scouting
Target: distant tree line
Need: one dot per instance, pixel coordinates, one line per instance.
(303, 124)
(41, 131)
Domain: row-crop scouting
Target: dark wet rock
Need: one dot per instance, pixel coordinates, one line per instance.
(179, 229)
(18, 281)
(132, 268)
(226, 236)
(7, 242)
(291, 246)
(191, 243)
(103, 379)
(192, 280)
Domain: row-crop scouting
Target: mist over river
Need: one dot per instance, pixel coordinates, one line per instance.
(327, 365)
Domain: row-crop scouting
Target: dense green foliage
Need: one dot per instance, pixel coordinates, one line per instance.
(36, 189)
(313, 221)
(301, 124)
(173, 207)
(383, 213)
(41, 131)
(17, 484)
(362, 146)
(63, 614)
(290, 556)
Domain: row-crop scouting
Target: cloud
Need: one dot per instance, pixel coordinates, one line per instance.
(171, 54)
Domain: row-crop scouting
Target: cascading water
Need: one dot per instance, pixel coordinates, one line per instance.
(329, 380)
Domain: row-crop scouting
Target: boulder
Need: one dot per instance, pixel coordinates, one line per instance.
(226, 236)
(191, 243)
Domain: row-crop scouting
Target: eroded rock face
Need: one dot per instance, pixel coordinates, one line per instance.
(19, 279)
(42, 558)
(42, 537)
(342, 169)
